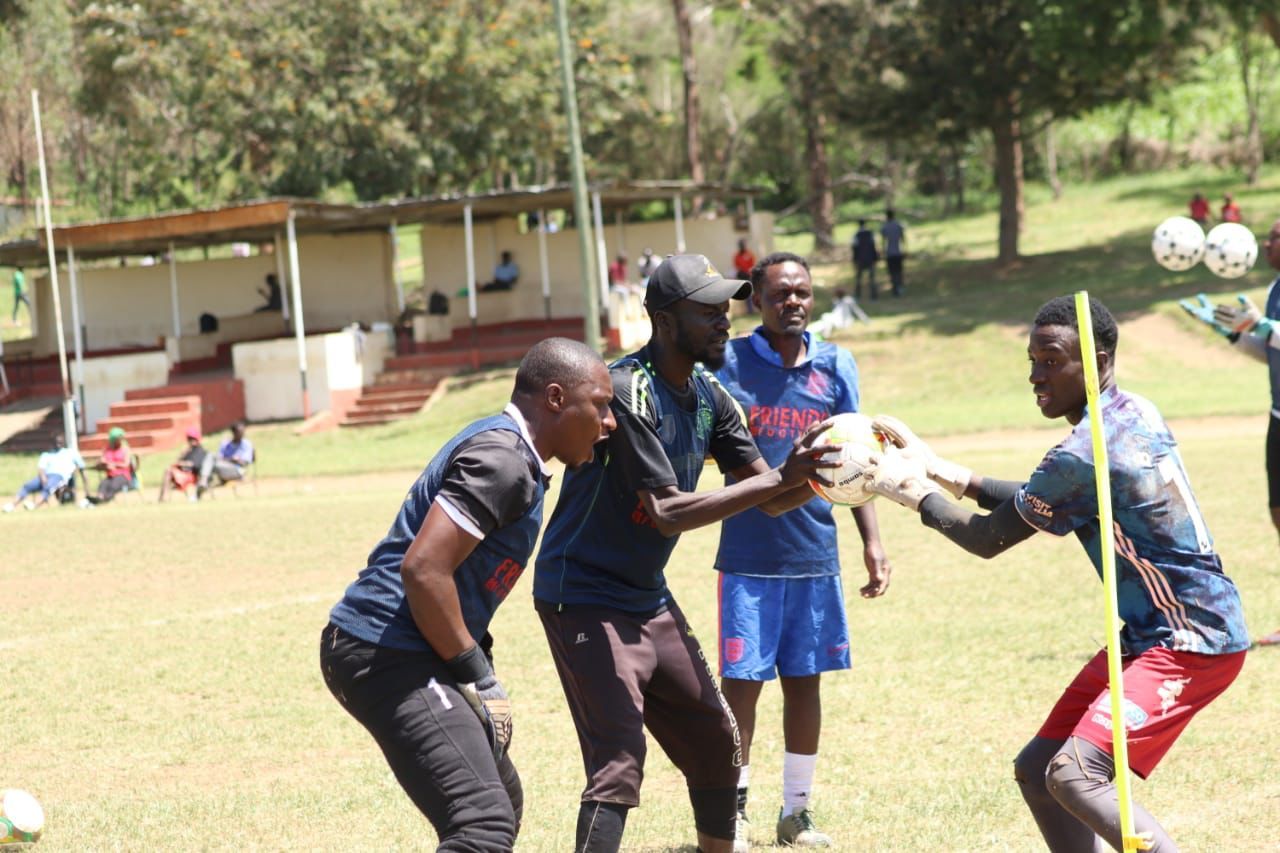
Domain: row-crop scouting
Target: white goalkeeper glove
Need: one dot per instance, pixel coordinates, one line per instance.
(952, 477)
(1242, 317)
(1202, 309)
(901, 479)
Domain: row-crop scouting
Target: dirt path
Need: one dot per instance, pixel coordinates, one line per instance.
(1225, 427)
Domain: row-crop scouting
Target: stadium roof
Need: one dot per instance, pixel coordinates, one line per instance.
(261, 221)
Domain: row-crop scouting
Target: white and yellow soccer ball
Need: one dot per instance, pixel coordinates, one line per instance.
(1230, 250)
(1178, 243)
(21, 818)
(857, 440)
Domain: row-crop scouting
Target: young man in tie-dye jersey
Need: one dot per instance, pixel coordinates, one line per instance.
(1184, 636)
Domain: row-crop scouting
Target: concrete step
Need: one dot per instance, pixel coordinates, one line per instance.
(375, 398)
(142, 423)
(411, 377)
(407, 407)
(354, 419)
(148, 440)
(158, 406)
(458, 359)
(384, 387)
(37, 437)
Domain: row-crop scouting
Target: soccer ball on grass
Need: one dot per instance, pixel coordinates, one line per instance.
(21, 818)
(857, 440)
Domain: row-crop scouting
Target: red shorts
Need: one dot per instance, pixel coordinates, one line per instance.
(1163, 690)
(181, 478)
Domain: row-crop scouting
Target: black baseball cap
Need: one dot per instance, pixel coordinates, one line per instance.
(691, 277)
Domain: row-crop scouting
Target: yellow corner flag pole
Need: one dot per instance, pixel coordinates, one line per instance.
(1115, 674)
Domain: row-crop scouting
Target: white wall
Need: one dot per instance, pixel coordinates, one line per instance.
(107, 378)
(273, 387)
(344, 278)
(444, 260)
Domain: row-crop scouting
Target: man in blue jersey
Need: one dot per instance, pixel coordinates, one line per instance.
(627, 658)
(1257, 334)
(781, 601)
(1184, 637)
(407, 650)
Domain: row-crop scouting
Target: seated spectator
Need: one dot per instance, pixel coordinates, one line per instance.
(233, 456)
(1200, 209)
(1230, 210)
(184, 474)
(844, 310)
(117, 467)
(505, 275)
(54, 469)
(271, 293)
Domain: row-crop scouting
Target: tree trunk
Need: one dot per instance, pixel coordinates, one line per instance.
(692, 97)
(957, 171)
(1252, 96)
(822, 204)
(1007, 130)
(1051, 161)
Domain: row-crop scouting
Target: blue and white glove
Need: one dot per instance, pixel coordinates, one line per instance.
(486, 696)
(1204, 311)
(1243, 317)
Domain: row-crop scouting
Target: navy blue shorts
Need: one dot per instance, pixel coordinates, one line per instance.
(793, 627)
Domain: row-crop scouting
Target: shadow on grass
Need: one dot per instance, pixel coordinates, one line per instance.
(955, 297)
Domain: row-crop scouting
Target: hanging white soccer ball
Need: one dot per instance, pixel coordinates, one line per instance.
(857, 440)
(1230, 250)
(1178, 243)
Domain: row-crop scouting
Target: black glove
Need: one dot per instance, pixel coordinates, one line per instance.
(484, 693)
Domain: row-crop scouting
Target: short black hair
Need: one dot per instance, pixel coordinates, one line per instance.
(559, 360)
(1061, 311)
(772, 260)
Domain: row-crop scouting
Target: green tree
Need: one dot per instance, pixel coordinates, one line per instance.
(1003, 66)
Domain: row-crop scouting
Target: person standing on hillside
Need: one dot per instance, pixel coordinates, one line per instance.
(20, 293)
(1184, 638)
(1230, 210)
(864, 260)
(893, 235)
(407, 651)
(781, 601)
(1199, 206)
(1256, 333)
(627, 658)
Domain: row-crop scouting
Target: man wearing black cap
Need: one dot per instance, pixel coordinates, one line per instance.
(627, 658)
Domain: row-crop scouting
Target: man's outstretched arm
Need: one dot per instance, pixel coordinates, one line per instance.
(984, 535)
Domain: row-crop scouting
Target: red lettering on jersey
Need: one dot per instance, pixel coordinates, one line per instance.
(640, 516)
(504, 577)
(781, 421)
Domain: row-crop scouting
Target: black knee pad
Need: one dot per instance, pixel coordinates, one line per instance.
(600, 827)
(715, 810)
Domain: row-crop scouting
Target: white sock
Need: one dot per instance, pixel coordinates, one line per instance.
(744, 778)
(797, 781)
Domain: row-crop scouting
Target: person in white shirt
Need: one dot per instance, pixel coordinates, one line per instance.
(54, 469)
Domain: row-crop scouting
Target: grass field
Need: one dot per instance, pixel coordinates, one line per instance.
(158, 676)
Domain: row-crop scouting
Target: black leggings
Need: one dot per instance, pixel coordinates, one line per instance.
(1273, 462)
(431, 738)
